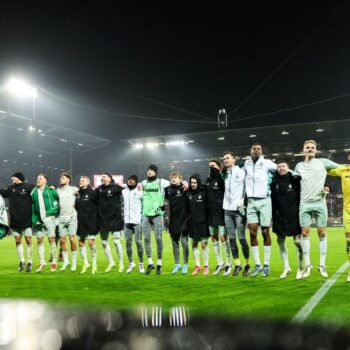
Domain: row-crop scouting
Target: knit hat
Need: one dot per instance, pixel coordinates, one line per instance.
(19, 176)
(153, 167)
(134, 177)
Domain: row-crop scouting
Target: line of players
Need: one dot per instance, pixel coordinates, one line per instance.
(244, 192)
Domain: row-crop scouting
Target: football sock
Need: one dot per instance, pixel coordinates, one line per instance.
(299, 253)
(30, 252)
(41, 252)
(108, 252)
(227, 252)
(283, 251)
(119, 249)
(53, 249)
(305, 245)
(19, 248)
(255, 251)
(323, 250)
(206, 256)
(216, 246)
(84, 255)
(65, 257)
(267, 254)
(196, 256)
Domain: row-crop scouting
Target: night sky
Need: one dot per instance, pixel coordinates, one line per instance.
(173, 60)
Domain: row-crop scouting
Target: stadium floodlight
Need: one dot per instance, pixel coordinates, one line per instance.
(319, 130)
(252, 135)
(285, 132)
(332, 151)
(21, 88)
(346, 149)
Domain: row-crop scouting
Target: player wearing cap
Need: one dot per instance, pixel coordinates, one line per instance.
(20, 208)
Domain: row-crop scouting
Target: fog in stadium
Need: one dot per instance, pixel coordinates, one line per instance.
(118, 89)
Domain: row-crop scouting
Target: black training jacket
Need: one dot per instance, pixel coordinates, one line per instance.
(215, 199)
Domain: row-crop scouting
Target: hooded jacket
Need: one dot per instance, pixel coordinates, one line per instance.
(215, 199)
(197, 203)
(4, 222)
(110, 207)
(20, 205)
(87, 211)
(132, 205)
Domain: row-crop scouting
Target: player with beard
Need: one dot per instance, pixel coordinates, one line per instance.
(285, 196)
(67, 220)
(216, 218)
(259, 210)
(178, 208)
(132, 217)
(235, 220)
(198, 222)
(313, 173)
(111, 219)
(87, 212)
(20, 208)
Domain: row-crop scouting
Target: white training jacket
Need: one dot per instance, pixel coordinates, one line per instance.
(258, 177)
(234, 188)
(3, 213)
(132, 205)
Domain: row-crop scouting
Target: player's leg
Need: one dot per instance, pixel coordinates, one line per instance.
(265, 215)
(253, 225)
(139, 246)
(28, 234)
(305, 217)
(226, 244)
(198, 268)
(158, 231)
(230, 224)
(281, 242)
(205, 251)
(17, 234)
(83, 252)
(175, 240)
(240, 227)
(147, 229)
(299, 250)
(214, 233)
(40, 233)
(93, 250)
(107, 250)
(72, 230)
(50, 224)
(119, 248)
(128, 233)
(63, 231)
(185, 251)
(321, 214)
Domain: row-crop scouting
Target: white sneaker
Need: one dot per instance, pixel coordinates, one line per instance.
(74, 266)
(141, 268)
(110, 267)
(322, 271)
(40, 267)
(131, 267)
(285, 273)
(85, 267)
(348, 279)
(64, 266)
(299, 275)
(94, 269)
(121, 267)
(218, 269)
(307, 271)
(228, 269)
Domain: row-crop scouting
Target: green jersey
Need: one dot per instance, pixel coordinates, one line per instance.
(153, 197)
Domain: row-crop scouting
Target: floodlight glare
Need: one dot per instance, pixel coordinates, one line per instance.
(21, 88)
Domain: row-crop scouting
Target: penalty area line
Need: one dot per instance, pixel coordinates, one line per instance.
(306, 310)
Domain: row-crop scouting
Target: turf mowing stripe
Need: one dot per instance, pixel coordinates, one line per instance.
(306, 310)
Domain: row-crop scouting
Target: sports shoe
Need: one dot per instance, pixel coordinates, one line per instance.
(218, 269)
(266, 270)
(29, 267)
(141, 268)
(236, 270)
(246, 270)
(322, 271)
(74, 266)
(299, 275)
(228, 269)
(64, 266)
(149, 269)
(197, 270)
(348, 279)
(285, 273)
(94, 269)
(110, 267)
(184, 269)
(21, 266)
(206, 271)
(53, 267)
(85, 267)
(256, 271)
(121, 267)
(131, 267)
(159, 269)
(307, 271)
(40, 267)
(176, 268)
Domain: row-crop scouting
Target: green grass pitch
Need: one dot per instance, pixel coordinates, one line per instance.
(252, 298)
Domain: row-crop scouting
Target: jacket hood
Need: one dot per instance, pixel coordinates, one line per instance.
(198, 178)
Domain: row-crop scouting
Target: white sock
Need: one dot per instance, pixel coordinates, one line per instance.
(299, 253)
(53, 249)
(217, 252)
(255, 251)
(93, 254)
(196, 256)
(284, 253)
(267, 254)
(108, 252)
(227, 252)
(323, 250)
(159, 262)
(74, 257)
(150, 261)
(65, 257)
(206, 256)
(305, 245)
(119, 249)
(41, 253)
(84, 255)
(19, 248)
(30, 253)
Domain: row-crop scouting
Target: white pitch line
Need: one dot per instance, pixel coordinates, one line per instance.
(306, 310)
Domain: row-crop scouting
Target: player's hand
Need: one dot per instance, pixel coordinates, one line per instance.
(185, 185)
(140, 187)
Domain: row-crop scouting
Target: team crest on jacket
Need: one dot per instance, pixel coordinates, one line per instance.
(178, 191)
(14, 190)
(199, 197)
(290, 186)
(86, 196)
(109, 191)
(216, 184)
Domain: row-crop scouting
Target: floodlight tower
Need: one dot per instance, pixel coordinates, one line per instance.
(222, 123)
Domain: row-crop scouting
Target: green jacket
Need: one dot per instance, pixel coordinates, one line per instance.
(51, 203)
